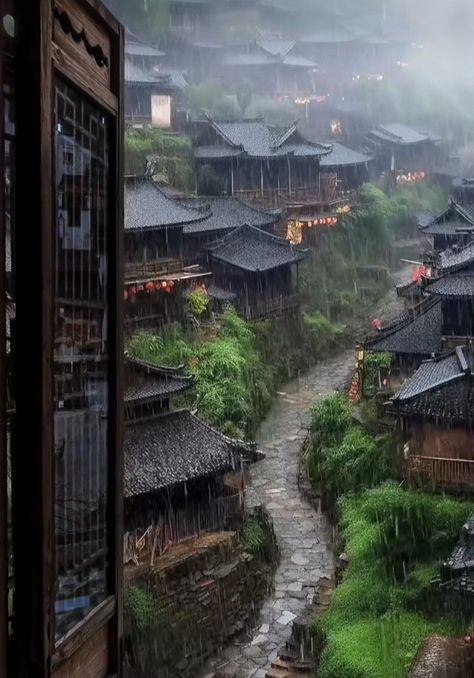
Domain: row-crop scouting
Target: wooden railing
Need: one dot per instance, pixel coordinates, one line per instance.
(305, 196)
(441, 472)
(137, 271)
(271, 307)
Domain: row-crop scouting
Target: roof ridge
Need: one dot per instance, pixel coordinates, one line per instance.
(427, 305)
(270, 236)
(164, 370)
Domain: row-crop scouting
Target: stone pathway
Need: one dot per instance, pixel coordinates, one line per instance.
(304, 535)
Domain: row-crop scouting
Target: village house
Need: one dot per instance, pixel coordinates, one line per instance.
(452, 228)
(153, 91)
(156, 272)
(182, 477)
(434, 412)
(260, 269)
(407, 153)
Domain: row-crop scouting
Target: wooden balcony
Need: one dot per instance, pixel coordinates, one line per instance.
(273, 307)
(441, 472)
(300, 199)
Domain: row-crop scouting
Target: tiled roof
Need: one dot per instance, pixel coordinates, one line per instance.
(419, 334)
(435, 373)
(147, 207)
(409, 290)
(227, 213)
(454, 285)
(165, 77)
(216, 152)
(451, 260)
(397, 133)
(251, 249)
(140, 49)
(424, 218)
(176, 448)
(276, 47)
(447, 228)
(249, 60)
(257, 139)
(343, 155)
(145, 382)
(329, 35)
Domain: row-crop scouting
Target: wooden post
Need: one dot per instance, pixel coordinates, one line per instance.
(289, 175)
(261, 178)
(232, 177)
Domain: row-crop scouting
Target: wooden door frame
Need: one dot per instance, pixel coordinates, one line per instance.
(40, 58)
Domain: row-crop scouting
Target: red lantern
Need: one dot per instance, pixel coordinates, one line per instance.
(157, 286)
(125, 295)
(376, 324)
(171, 284)
(167, 289)
(150, 287)
(163, 284)
(140, 288)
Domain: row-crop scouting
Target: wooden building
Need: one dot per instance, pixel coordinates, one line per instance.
(61, 522)
(417, 335)
(257, 267)
(434, 410)
(260, 163)
(406, 152)
(182, 477)
(350, 168)
(452, 228)
(156, 272)
(153, 92)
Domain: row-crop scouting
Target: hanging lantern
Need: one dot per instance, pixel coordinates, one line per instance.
(163, 284)
(150, 287)
(157, 286)
(167, 289)
(171, 284)
(125, 295)
(322, 222)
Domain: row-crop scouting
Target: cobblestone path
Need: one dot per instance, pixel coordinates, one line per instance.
(304, 535)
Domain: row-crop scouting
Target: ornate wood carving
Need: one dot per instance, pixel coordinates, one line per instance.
(79, 35)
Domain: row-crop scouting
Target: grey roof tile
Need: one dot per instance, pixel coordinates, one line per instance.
(256, 139)
(147, 207)
(454, 285)
(176, 448)
(146, 382)
(397, 133)
(251, 249)
(228, 213)
(276, 47)
(343, 155)
(451, 260)
(435, 373)
(140, 49)
(447, 228)
(418, 334)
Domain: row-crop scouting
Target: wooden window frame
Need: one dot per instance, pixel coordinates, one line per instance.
(59, 38)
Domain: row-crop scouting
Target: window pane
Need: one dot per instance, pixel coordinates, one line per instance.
(80, 357)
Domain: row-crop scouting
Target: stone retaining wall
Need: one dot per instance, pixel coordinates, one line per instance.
(201, 602)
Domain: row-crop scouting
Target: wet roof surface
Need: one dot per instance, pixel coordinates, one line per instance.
(435, 373)
(417, 334)
(147, 207)
(228, 213)
(397, 133)
(455, 259)
(140, 49)
(257, 139)
(343, 155)
(146, 382)
(454, 285)
(447, 228)
(251, 249)
(175, 448)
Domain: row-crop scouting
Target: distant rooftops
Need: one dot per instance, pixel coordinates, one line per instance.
(227, 213)
(251, 249)
(147, 207)
(140, 49)
(399, 134)
(452, 260)
(342, 155)
(255, 138)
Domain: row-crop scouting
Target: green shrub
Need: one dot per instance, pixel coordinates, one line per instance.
(331, 419)
(374, 363)
(198, 302)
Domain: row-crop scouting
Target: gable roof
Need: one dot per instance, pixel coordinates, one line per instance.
(254, 138)
(454, 219)
(276, 47)
(456, 285)
(343, 155)
(417, 333)
(435, 373)
(175, 448)
(442, 389)
(146, 382)
(251, 249)
(399, 134)
(140, 49)
(452, 260)
(167, 78)
(147, 207)
(227, 213)
(334, 34)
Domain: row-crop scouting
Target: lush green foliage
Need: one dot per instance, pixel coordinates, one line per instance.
(198, 302)
(169, 157)
(238, 372)
(333, 281)
(259, 539)
(374, 364)
(210, 97)
(375, 621)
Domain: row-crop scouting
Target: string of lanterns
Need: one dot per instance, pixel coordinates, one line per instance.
(148, 288)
